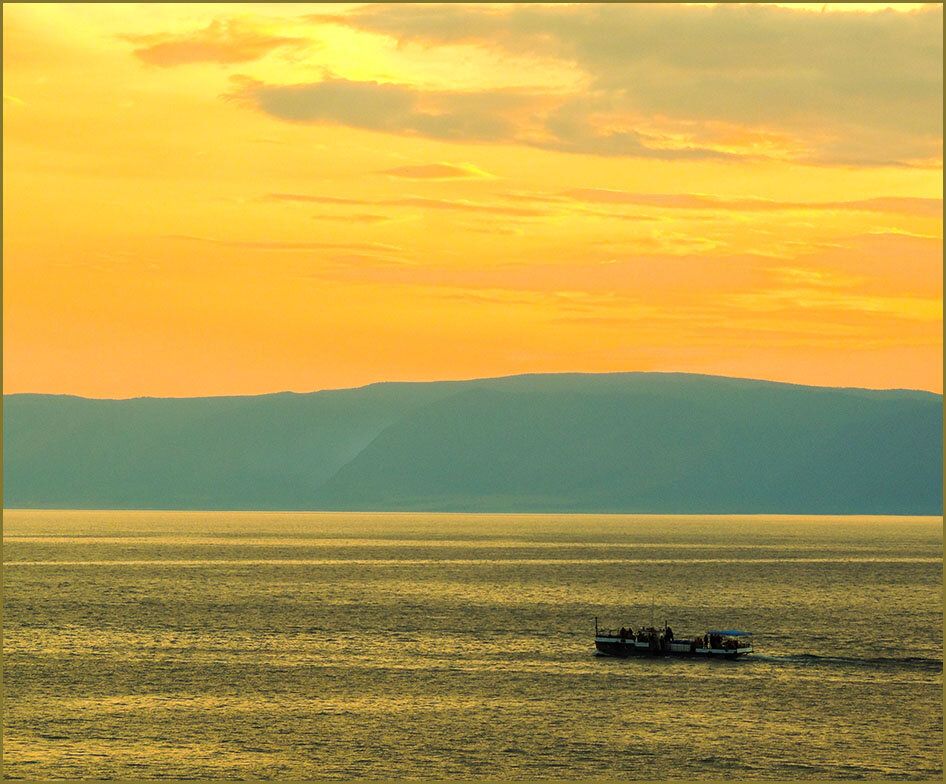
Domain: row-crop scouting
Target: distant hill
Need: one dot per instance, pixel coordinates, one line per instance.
(621, 442)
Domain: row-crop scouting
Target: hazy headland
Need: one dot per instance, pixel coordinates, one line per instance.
(620, 442)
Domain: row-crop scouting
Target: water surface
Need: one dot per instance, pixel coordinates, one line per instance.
(301, 646)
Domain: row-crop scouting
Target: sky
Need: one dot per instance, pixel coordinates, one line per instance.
(222, 199)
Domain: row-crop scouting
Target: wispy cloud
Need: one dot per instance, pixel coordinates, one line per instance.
(288, 245)
(534, 196)
(691, 201)
(317, 198)
(438, 171)
(465, 206)
(819, 278)
(363, 217)
(223, 41)
(927, 309)
(423, 202)
(623, 216)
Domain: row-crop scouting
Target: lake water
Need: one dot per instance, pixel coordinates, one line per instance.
(301, 646)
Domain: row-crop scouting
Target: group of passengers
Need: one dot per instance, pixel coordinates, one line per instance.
(647, 634)
(652, 636)
(716, 641)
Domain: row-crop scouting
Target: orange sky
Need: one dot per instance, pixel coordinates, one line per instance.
(207, 199)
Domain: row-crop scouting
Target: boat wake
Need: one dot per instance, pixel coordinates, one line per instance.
(879, 662)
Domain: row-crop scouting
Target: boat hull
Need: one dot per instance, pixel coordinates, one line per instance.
(622, 648)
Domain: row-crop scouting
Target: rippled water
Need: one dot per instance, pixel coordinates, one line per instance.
(302, 646)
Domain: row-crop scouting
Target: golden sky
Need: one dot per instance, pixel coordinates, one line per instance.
(209, 199)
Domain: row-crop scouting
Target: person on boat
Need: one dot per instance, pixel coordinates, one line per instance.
(669, 634)
(623, 634)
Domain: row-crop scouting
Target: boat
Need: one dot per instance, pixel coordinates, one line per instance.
(648, 641)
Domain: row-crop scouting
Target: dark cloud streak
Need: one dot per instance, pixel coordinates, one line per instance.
(391, 108)
(435, 171)
(317, 199)
(690, 201)
(286, 245)
(498, 116)
(416, 201)
(222, 41)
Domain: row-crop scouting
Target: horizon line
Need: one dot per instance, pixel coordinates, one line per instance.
(405, 512)
(482, 378)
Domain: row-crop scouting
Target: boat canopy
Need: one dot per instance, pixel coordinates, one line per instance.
(731, 633)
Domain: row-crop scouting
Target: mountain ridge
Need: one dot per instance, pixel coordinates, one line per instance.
(615, 442)
(570, 374)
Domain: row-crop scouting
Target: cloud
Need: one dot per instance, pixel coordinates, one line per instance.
(364, 217)
(487, 296)
(533, 196)
(575, 200)
(466, 206)
(495, 229)
(927, 309)
(618, 215)
(394, 108)
(438, 171)
(223, 41)
(286, 245)
(489, 116)
(848, 88)
(876, 285)
(902, 205)
(820, 278)
(317, 199)
(416, 201)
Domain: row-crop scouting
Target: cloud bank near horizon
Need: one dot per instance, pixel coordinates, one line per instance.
(661, 81)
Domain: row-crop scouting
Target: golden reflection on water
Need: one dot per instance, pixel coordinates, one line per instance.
(215, 645)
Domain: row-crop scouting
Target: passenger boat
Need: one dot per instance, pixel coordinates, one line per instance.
(715, 644)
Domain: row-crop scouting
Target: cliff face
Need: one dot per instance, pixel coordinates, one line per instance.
(628, 442)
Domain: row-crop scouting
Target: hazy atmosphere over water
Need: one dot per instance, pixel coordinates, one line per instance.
(228, 645)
